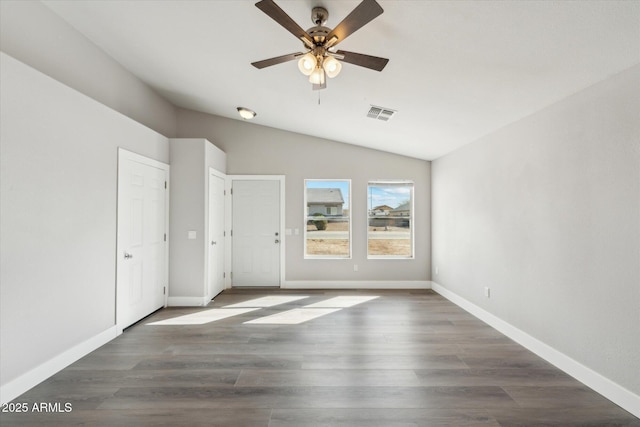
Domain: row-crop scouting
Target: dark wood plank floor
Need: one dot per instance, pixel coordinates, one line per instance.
(407, 358)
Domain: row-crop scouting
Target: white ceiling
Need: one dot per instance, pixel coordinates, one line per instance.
(457, 70)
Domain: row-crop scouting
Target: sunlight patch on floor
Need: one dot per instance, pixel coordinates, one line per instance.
(342, 301)
(288, 317)
(269, 301)
(312, 311)
(293, 317)
(203, 317)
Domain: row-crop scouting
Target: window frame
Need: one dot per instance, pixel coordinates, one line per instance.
(412, 225)
(350, 219)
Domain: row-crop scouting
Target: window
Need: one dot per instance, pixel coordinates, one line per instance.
(328, 219)
(390, 219)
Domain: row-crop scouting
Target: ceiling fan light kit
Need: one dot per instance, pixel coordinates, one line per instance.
(321, 59)
(317, 76)
(331, 66)
(307, 64)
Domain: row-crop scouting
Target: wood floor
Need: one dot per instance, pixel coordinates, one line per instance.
(406, 358)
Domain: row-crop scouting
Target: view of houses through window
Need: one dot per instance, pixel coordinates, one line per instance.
(328, 219)
(328, 225)
(390, 219)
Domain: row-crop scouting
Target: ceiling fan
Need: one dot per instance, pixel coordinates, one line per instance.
(321, 58)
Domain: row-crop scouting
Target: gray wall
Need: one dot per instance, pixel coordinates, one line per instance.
(58, 154)
(35, 35)
(58, 192)
(255, 149)
(546, 212)
(190, 163)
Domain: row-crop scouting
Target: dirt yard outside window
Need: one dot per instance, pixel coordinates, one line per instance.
(334, 241)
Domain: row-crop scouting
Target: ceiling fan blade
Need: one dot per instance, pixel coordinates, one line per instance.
(364, 13)
(279, 15)
(277, 60)
(367, 61)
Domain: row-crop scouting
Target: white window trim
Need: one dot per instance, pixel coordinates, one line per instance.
(307, 256)
(411, 218)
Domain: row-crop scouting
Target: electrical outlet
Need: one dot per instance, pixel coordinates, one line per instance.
(487, 292)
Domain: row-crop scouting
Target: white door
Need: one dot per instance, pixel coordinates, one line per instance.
(216, 235)
(256, 233)
(141, 246)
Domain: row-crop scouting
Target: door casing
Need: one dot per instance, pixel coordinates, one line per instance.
(216, 235)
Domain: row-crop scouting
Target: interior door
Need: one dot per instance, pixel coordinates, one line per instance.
(216, 235)
(256, 233)
(141, 245)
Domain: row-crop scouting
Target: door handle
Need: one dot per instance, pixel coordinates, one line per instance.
(277, 241)
(213, 243)
(127, 255)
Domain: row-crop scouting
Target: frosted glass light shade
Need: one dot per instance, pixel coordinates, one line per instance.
(246, 113)
(317, 76)
(331, 66)
(307, 64)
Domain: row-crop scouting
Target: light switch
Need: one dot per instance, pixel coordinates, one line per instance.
(191, 234)
(287, 231)
(296, 231)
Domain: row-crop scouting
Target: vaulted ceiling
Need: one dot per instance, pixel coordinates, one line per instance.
(457, 70)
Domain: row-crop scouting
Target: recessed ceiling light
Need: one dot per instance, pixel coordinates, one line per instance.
(246, 113)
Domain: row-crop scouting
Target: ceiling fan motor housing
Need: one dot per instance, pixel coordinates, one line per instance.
(319, 33)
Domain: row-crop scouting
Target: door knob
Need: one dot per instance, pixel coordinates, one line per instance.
(277, 241)
(127, 255)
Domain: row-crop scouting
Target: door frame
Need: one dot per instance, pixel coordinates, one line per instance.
(207, 248)
(229, 220)
(124, 154)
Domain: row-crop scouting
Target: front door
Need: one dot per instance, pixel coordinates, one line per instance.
(256, 233)
(141, 246)
(216, 235)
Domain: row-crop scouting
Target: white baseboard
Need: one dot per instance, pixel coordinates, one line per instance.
(187, 301)
(609, 389)
(25, 382)
(356, 284)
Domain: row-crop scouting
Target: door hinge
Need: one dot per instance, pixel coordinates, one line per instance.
(165, 185)
(165, 237)
(231, 191)
(224, 275)
(224, 234)
(224, 192)
(231, 233)
(164, 290)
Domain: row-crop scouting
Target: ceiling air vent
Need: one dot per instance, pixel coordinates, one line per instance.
(380, 113)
